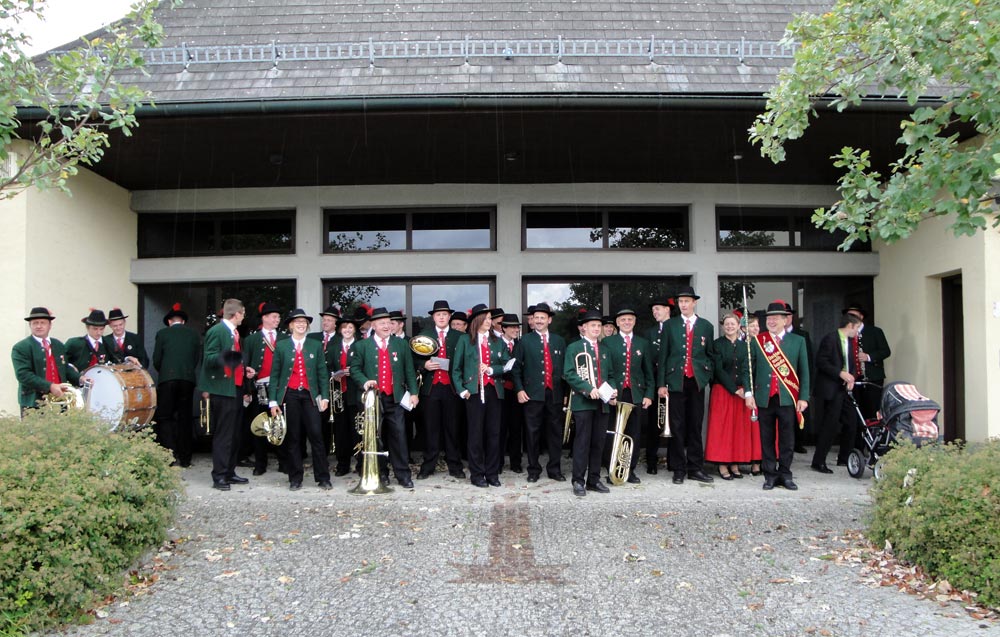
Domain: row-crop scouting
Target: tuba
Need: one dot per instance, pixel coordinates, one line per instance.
(371, 480)
(621, 446)
(663, 417)
(584, 364)
(273, 429)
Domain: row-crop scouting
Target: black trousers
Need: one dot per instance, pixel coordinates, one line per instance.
(345, 435)
(686, 452)
(633, 426)
(840, 422)
(543, 423)
(174, 427)
(303, 421)
(483, 423)
(588, 445)
(226, 418)
(394, 439)
(511, 429)
(441, 421)
(780, 422)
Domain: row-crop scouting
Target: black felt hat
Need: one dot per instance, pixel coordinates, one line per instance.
(39, 312)
(175, 310)
(116, 313)
(95, 318)
(588, 316)
(688, 291)
(297, 313)
(440, 306)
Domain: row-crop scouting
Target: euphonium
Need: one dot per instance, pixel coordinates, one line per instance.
(584, 370)
(371, 481)
(621, 446)
(662, 417)
(336, 398)
(205, 415)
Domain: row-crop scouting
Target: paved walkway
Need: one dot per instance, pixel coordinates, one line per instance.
(524, 559)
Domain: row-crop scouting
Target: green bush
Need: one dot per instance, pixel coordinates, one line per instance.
(939, 507)
(77, 506)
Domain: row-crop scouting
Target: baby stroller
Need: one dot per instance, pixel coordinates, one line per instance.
(905, 412)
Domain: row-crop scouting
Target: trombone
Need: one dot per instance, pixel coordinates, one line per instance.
(585, 370)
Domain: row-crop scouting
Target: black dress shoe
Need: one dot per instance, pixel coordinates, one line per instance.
(599, 487)
(724, 476)
(755, 472)
(294, 486)
(532, 478)
(246, 463)
(822, 468)
(423, 475)
(790, 484)
(579, 490)
(493, 482)
(517, 469)
(479, 482)
(325, 485)
(406, 483)
(633, 479)
(678, 477)
(342, 471)
(235, 479)
(651, 470)
(768, 484)
(220, 485)
(457, 474)
(259, 472)
(700, 476)
(801, 449)
(558, 477)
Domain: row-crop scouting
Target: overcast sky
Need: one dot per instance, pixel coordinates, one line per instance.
(67, 20)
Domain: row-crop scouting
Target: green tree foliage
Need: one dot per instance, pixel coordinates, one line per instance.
(75, 93)
(943, 57)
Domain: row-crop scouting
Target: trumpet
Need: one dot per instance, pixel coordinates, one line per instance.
(663, 417)
(621, 446)
(205, 415)
(371, 480)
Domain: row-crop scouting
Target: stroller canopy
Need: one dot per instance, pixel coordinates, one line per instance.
(908, 412)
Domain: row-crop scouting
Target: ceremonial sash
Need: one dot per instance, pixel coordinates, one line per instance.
(782, 368)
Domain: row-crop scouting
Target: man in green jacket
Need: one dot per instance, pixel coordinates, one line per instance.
(258, 354)
(633, 366)
(176, 352)
(121, 344)
(685, 368)
(40, 362)
(781, 394)
(300, 386)
(660, 309)
(89, 350)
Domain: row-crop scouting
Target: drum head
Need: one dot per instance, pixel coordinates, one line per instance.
(106, 398)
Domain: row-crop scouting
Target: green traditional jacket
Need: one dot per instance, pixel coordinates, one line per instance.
(364, 365)
(132, 347)
(28, 357)
(283, 362)
(529, 370)
(176, 352)
(78, 353)
(606, 372)
(673, 353)
(350, 389)
(253, 348)
(465, 365)
(794, 347)
(218, 341)
(730, 364)
(641, 378)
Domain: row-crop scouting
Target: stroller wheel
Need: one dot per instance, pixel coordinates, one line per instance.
(879, 469)
(856, 464)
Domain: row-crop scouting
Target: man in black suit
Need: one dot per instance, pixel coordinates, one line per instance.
(870, 353)
(835, 377)
(123, 345)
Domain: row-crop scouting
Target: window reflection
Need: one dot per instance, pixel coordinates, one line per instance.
(211, 233)
(599, 227)
(410, 229)
(776, 228)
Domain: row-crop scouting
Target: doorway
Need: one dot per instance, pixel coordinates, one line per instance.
(953, 341)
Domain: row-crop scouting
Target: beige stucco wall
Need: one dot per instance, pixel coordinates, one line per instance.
(908, 308)
(68, 253)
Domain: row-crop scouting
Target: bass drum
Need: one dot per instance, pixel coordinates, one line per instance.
(120, 395)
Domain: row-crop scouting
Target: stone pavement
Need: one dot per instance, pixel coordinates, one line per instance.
(524, 559)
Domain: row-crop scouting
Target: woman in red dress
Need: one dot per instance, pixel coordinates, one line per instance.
(730, 432)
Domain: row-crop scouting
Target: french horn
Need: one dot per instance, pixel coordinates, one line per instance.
(273, 429)
(423, 345)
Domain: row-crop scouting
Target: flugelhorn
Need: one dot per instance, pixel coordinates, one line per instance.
(621, 446)
(371, 480)
(663, 416)
(585, 370)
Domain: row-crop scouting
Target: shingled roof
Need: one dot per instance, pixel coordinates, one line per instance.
(237, 50)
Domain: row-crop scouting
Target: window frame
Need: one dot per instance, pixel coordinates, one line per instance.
(409, 212)
(684, 210)
(790, 229)
(217, 217)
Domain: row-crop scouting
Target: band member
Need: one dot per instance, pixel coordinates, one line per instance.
(512, 415)
(633, 367)
(459, 321)
(258, 354)
(176, 352)
(385, 363)
(221, 382)
(328, 320)
(300, 389)
(684, 369)
(590, 412)
(789, 327)
(651, 434)
(124, 346)
(441, 403)
(476, 375)
(607, 327)
(86, 351)
(835, 376)
(538, 383)
(345, 434)
(398, 323)
(781, 394)
(869, 355)
(40, 363)
(730, 440)
(496, 316)
(362, 318)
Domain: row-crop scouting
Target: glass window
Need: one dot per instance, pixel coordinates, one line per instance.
(764, 228)
(592, 227)
(360, 230)
(212, 233)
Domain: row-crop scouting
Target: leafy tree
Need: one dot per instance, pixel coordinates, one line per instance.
(75, 91)
(940, 55)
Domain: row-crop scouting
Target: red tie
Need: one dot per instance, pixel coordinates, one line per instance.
(384, 368)
(509, 384)
(326, 339)
(688, 365)
(597, 361)
(441, 377)
(547, 361)
(51, 371)
(121, 344)
(238, 372)
(94, 360)
(628, 362)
